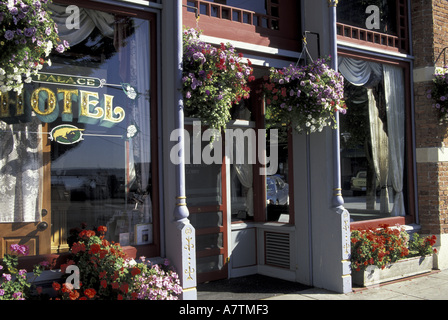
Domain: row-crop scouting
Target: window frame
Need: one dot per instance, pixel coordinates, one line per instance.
(132, 251)
(410, 164)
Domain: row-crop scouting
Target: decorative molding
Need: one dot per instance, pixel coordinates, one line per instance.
(189, 247)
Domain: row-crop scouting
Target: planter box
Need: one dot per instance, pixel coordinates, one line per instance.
(373, 275)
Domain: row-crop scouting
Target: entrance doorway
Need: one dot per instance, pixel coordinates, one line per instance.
(206, 199)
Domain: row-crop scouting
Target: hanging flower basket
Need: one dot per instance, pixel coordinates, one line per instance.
(213, 80)
(27, 37)
(305, 97)
(439, 94)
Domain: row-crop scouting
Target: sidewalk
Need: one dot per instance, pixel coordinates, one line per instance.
(432, 286)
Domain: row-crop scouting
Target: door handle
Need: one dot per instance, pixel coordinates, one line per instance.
(42, 226)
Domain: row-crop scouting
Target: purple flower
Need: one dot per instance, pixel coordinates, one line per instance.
(29, 32)
(9, 35)
(7, 276)
(17, 294)
(14, 11)
(60, 48)
(17, 248)
(188, 95)
(2, 292)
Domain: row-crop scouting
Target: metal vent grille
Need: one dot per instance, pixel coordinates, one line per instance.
(277, 249)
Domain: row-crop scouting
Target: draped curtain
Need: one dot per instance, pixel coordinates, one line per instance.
(139, 71)
(394, 94)
(88, 20)
(380, 151)
(244, 172)
(387, 148)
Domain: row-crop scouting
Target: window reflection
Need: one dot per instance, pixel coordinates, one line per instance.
(105, 177)
(373, 139)
(277, 183)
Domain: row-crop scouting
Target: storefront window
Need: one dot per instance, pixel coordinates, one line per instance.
(92, 108)
(373, 139)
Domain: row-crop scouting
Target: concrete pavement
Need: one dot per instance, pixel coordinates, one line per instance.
(432, 286)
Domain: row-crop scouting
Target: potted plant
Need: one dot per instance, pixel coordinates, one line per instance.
(439, 94)
(27, 37)
(305, 97)
(106, 273)
(214, 79)
(15, 283)
(388, 253)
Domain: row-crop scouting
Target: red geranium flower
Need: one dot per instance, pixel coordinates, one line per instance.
(90, 293)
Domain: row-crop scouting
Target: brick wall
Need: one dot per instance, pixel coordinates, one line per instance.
(422, 32)
(430, 36)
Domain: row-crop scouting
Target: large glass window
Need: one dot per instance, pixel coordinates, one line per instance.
(373, 139)
(92, 108)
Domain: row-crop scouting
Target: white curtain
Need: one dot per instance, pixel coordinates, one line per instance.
(394, 94)
(244, 172)
(20, 171)
(139, 78)
(88, 20)
(359, 72)
(380, 151)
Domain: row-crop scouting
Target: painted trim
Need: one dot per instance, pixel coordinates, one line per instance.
(252, 47)
(372, 50)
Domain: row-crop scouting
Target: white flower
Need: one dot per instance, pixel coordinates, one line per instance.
(48, 48)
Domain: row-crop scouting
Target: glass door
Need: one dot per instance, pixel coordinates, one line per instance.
(206, 200)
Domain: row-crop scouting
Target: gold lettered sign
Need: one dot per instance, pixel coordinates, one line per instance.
(68, 80)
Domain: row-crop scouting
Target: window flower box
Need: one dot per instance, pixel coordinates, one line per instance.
(387, 253)
(373, 275)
